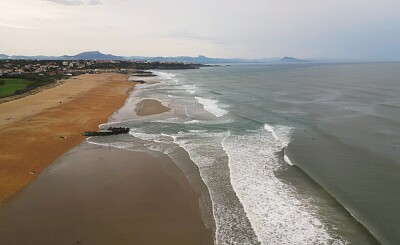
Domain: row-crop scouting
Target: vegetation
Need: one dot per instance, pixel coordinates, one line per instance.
(21, 83)
(9, 86)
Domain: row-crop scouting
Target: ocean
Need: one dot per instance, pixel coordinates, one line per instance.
(289, 153)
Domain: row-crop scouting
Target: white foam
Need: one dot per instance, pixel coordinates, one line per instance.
(205, 149)
(284, 134)
(164, 75)
(278, 214)
(168, 135)
(190, 88)
(158, 138)
(193, 121)
(280, 133)
(119, 145)
(168, 120)
(270, 129)
(287, 159)
(197, 131)
(212, 106)
(227, 120)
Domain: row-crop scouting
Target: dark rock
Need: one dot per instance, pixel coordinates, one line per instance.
(110, 131)
(139, 81)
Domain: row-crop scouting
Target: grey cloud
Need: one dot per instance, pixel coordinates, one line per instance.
(94, 2)
(11, 26)
(68, 2)
(76, 2)
(341, 29)
(183, 34)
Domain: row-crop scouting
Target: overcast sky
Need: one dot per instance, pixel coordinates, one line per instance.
(349, 29)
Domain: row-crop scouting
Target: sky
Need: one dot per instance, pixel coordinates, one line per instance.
(335, 29)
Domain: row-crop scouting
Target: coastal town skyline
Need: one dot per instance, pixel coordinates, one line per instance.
(307, 29)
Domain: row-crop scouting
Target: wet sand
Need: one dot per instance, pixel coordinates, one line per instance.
(149, 107)
(105, 196)
(37, 129)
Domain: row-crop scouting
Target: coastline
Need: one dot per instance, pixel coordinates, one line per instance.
(93, 193)
(39, 128)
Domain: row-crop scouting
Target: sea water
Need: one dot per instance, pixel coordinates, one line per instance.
(289, 153)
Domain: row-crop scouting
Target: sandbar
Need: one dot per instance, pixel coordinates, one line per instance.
(149, 107)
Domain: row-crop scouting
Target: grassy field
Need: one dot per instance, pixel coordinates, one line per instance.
(11, 85)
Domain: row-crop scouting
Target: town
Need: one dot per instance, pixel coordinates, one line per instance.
(77, 67)
(52, 67)
(21, 76)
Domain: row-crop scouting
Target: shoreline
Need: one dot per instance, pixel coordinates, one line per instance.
(164, 206)
(39, 128)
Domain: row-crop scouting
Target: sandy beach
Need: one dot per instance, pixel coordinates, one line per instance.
(83, 192)
(149, 107)
(37, 129)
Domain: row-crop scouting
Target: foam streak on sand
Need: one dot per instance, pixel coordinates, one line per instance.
(53, 119)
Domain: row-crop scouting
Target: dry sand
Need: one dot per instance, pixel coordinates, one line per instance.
(37, 129)
(106, 196)
(149, 107)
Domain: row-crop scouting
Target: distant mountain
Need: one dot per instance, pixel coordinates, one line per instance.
(188, 59)
(96, 55)
(206, 60)
(21, 57)
(291, 60)
(92, 55)
(3, 56)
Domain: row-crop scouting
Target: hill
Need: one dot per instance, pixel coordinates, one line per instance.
(92, 55)
(288, 59)
(201, 59)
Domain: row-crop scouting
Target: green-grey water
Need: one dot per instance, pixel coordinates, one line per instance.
(291, 153)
